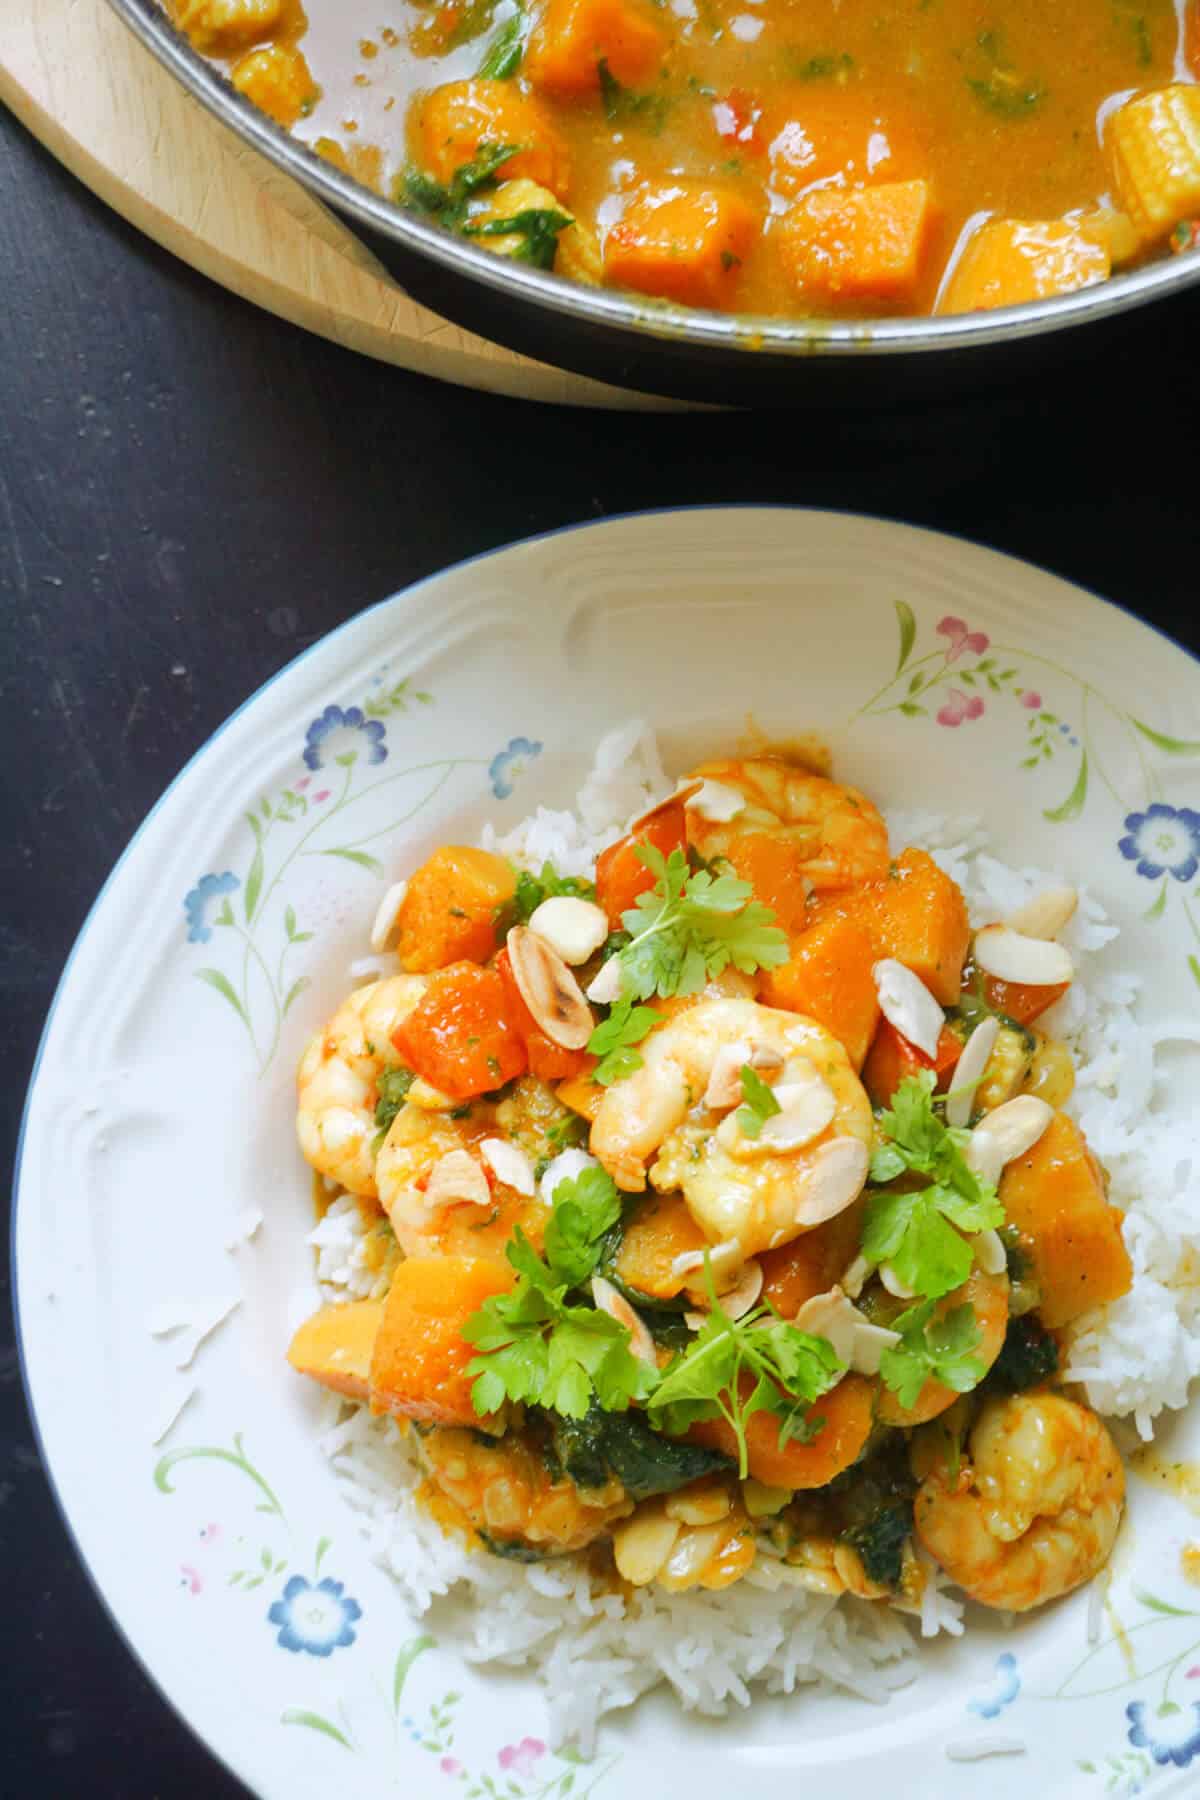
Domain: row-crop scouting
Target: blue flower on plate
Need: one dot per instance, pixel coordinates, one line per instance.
(509, 763)
(1005, 1688)
(348, 728)
(316, 1618)
(1163, 839)
(1170, 1733)
(207, 890)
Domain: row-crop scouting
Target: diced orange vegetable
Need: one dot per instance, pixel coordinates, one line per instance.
(828, 978)
(573, 37)
(918, 915)
(683, 240)
(449, 911)
(620, 874)
(334, 1346)
(812, 1262)
(1019, 1001)
(1008, 261)
(1054, 1196)
(815, 130)
(547, 1059)
(460, 1036)
(1191, 37)
(658, 1230)
(857, 243)
(892, 1059)
(582, 1095)
(847, 1412)
(452, 123)
(775, 868)
(418, 1370)
(278, 80)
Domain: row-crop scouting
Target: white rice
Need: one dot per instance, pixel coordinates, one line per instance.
(592, 1650)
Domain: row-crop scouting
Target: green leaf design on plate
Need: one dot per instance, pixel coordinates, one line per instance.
(906, 619)
(237, 1456)
(254, 881)
(1075, 801)
(289, 922)
(1156, 910)
(1152, 1601)
(294, 992)
(357, 856)
(1194, 966)
(1172, 745)
(221, 983)
(408, 1655)
(296, 1715)
(323, 1545)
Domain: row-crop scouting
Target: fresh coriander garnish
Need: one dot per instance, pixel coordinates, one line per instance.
(614, 1038)
(915, 1231)
(503, 56)
(689, 927)
(449, 203)
(759, 1103)
(536, 228)
(531, 890)
(711, 1379)
(392, 1087)
(941, 1348)
(535, 1345)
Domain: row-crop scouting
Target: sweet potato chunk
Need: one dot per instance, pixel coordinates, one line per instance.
(1011, 260)
(449, 912)
(918, 915)
(1019, 1001)
(1054, 1196)
(334, 1346)
(418, 1369)
(812, 1262)
(461, 1036)
(857, 243)
(452, 123)
(681, 240)
(573, 37)
(621, 875)
(659, 1229)
(828, 978)
(846, 1410)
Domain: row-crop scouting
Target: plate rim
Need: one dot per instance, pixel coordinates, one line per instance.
(410, 592)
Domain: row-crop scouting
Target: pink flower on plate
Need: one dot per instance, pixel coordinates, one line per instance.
(450, 1765)
(303, 782)
(210, 1533)
(1193, 1672)
(959, 706)
(521, 1759)
(323, 795)
(960, 638)
(190, 1579)
(1031, 699)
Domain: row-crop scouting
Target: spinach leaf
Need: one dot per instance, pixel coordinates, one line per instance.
(537, 226)
(504, 53)
(601, 1445)
(622, 104)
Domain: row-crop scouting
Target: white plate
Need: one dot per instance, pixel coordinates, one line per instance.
(161, 1110)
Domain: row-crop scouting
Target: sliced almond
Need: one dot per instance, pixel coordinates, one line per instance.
(387, 915)
(549, 989)
(457, 1179)
(1045, 915)
(969, 1071)
(716, 802)
(805, 1109)
(508, 1163)
(836, 1176)
(568, 1165)
(642, 1544)
(1005, 1134)
(575, 928)
(684, 792)
(987, 1247)
(609, 1301)
(722, 1258)
(855, 1278)
(604, 989)
(907, 1003)
(1012, 956)
(736, 1300)
(725, 1083)
(856, 1342)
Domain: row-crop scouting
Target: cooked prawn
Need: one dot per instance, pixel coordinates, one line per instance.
(988, 1295)
(755, 1191)
(833, 835)
(1034, 1512)
(416, 1142)
(337, 1083)
(504, 1489)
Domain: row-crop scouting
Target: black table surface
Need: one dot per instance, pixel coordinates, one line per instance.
(188, 484)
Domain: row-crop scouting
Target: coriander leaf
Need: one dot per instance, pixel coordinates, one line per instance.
(614, 1038)
(760, 1103)
(909, 1232)
(583, 1210)
(735, 1368)
(392, 1087)
(448, 204)
(531, 890)
(689, 927)
(941, 1349)
(503, 56)
(537, 227)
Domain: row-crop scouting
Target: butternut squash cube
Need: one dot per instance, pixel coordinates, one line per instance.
(858, 243)
(1009, 261)
(334, 1347)
(682, 240)
(1054, 1196)
(418, 1368)
(573, 37)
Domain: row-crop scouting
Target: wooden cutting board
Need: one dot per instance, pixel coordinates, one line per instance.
(97, 99)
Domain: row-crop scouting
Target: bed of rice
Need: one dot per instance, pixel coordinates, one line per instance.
(592, 1650)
